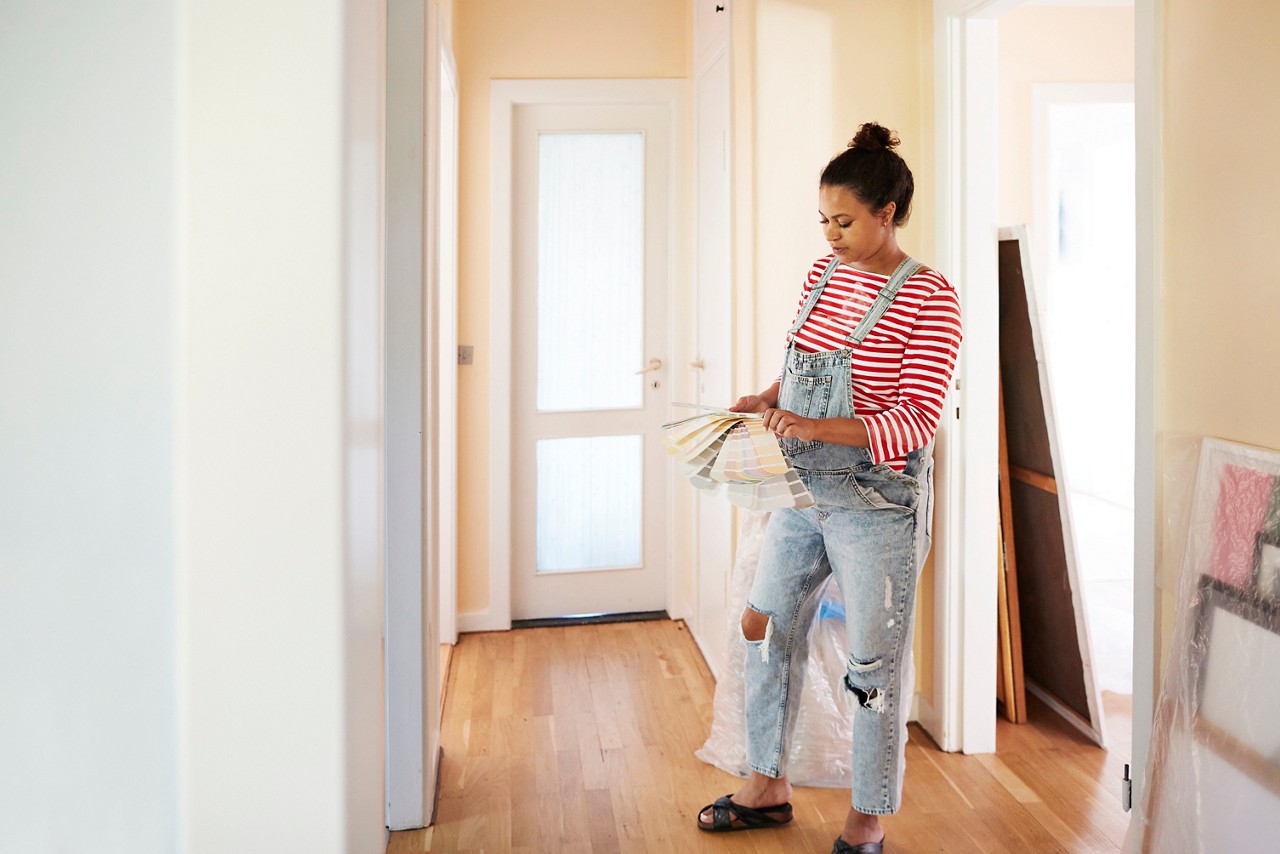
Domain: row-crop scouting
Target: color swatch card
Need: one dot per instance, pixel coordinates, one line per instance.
(734, 448)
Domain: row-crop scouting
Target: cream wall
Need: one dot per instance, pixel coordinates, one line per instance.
(516, 39)
(1043, 44)
(822, 67)
(1221, 294)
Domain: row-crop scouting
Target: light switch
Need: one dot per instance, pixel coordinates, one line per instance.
(466, 354)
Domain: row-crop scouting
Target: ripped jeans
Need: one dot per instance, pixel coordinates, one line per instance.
(871, 528)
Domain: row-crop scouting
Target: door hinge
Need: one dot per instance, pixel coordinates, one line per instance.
(1126, 790)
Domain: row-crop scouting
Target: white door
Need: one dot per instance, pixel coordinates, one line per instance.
(589, 472)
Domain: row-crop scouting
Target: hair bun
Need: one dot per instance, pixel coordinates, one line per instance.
(874, 137)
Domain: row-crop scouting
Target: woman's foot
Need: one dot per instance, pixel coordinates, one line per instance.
(860, 828)
(757, 792)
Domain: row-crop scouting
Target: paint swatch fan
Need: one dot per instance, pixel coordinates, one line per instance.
(734, 449)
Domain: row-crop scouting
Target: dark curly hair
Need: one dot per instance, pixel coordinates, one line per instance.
(875, 173)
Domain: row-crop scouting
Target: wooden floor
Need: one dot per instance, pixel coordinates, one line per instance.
(581, 740)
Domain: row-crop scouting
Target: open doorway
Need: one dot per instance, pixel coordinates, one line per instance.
(967, 115)
(1085, 163)
(1067, 171)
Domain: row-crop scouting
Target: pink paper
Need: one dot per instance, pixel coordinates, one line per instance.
(1243, 498)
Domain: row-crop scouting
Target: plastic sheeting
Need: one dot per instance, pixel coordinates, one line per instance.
(820, 752)
(1212, 781)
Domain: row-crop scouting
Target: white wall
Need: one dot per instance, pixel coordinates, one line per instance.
(279, 432)
(87, 237)
(190, 441)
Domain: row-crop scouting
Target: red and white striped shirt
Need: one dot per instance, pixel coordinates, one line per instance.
(903, 369)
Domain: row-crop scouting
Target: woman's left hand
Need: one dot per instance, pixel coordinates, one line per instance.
(786, 423)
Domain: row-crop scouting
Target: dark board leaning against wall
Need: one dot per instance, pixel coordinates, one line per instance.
(1054, 645)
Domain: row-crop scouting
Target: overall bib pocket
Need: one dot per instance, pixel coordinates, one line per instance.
(808, 397)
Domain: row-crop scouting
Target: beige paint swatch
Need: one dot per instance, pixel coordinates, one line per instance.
(734, 449)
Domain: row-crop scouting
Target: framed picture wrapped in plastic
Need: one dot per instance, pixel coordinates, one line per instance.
(1213, 772)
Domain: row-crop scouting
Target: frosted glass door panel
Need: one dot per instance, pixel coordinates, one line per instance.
(591, 214)
(589, 514)
(590, 271)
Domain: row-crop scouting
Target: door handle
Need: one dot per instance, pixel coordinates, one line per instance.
(654, 365)
(698, 365)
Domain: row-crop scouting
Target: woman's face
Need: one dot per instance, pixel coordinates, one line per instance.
(854, 232)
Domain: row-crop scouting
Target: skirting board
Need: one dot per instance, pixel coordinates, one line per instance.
(483, 621)
(480, 621)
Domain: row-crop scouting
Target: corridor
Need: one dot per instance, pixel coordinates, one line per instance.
(581, 739)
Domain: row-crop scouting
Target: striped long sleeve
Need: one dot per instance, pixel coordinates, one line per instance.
(903, 369)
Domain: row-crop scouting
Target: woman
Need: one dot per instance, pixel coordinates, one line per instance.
(868, 364)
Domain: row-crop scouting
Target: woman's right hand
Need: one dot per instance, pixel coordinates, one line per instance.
(750, 403)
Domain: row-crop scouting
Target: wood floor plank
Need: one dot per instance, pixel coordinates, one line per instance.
(581, 739)
(1012, 783)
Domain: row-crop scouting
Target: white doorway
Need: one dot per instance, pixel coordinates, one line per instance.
(1084, 170)
(590, 264)
(967, 120)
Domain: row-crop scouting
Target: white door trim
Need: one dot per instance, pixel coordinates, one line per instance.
(962, 714)
(504, 97)
(713, 517)
(407, 428)
(421, 409)
(1148, 120)
(446, 139)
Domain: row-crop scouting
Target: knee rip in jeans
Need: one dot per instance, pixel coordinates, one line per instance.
(757, 627)
(870, 698)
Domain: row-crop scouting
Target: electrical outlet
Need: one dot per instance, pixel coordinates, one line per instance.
(466, 354)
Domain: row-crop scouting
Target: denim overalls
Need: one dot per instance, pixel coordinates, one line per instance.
(870, 528)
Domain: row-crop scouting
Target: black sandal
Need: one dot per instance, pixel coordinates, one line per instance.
(842, 847)
(724, 811)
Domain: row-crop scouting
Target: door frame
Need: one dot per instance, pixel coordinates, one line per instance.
(408, 428)
(962, 716)
(420, 405)
(504, 97)
(716, 526)
(446, 168)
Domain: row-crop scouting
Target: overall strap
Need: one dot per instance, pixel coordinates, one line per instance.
(884, 299)
(812, 301)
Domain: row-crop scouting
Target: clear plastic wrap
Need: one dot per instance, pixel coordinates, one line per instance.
(820, 751)
(1212, 781)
